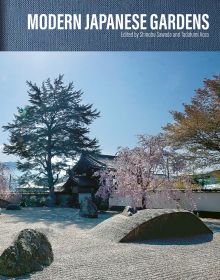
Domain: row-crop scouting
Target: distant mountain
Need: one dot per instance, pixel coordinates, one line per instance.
(214, 173)
(11, 165)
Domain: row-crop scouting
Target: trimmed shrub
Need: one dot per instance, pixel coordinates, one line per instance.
(13, 207)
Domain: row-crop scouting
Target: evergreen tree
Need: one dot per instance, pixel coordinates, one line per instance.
(50, 130)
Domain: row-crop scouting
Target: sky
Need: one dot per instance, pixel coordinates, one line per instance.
(134, 91)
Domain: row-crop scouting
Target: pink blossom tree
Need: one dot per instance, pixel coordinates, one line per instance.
(3, 182)
(5, 193)
(151, 167)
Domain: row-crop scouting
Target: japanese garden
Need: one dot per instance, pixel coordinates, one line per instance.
(73, 212)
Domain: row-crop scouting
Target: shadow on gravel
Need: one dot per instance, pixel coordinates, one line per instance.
(23, 277)
(62, 217)
(199, 239)
(213, 225)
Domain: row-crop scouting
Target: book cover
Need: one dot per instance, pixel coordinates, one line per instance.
(110, 139)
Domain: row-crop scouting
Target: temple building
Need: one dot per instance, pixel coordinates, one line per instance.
(82, 182)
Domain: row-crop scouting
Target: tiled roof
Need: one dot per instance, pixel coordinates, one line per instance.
(94, 162)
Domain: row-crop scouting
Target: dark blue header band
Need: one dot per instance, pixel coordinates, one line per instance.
(109, 25)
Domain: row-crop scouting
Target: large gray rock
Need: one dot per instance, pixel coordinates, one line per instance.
(88, 209)
(31, 251)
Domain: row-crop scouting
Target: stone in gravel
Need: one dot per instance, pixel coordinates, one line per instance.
(129, 211)
(31, 251)
(13, 207)
(151, 224)
(88, 209)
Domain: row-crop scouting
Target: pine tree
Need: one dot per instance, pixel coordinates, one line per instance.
(53, 128)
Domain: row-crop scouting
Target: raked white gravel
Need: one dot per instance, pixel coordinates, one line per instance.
(78, 255)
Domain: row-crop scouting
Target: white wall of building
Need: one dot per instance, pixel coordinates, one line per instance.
(207, 201)
(204, 201)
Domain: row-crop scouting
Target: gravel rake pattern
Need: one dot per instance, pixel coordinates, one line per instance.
(79, 255)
